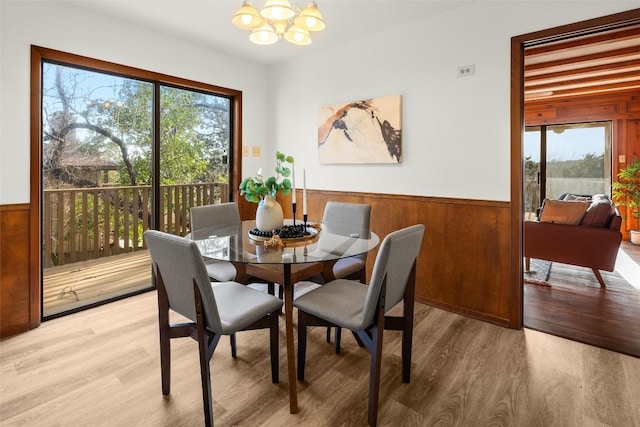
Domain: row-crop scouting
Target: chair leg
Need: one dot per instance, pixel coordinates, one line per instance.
(203, 350)
(274, 346)
(407, 325)
(302, 344)
(165, 359)
(599, 277)
(374, 371)
(232, 340)
(527, 264)
(270, 288)
(338, 333)
(165, 334)
(328, 334)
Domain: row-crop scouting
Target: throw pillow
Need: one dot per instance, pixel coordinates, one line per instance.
(563, 212)
(600, 212)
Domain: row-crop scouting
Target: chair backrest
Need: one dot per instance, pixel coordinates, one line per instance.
(396, 256)
(346, 219)
(179, 262)
(207, 219)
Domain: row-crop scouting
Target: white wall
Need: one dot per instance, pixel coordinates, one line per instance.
(455, 134)
(57, 25)
(455, 130)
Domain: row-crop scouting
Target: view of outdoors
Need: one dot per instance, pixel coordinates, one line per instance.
(99, 192)
(576, 159)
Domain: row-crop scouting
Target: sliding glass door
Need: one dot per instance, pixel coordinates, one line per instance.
(567, 158)
(120, 155)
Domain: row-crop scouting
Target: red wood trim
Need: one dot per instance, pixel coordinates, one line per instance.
(627, 52)
(517, 131)
(619, 66)
(35, 190)
(15, 207)
(598, 39)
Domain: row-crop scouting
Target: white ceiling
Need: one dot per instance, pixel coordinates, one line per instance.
(208, 22)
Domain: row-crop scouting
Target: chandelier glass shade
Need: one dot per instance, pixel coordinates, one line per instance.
(279, 19)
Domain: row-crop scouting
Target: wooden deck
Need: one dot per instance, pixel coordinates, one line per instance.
(70, 286)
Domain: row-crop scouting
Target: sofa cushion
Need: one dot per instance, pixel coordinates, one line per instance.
(569, 197)
(563, 212)
(600, 212)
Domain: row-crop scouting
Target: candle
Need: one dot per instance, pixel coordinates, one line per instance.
(293, 183)
(304, 191)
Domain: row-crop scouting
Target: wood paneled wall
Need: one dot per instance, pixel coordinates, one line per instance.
(622, 109)
(15, 277)
(464, 265)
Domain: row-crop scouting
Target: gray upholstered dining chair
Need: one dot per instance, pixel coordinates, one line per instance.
(346, 219)
(362, 308)
(208, 220)
(339, 218)
(213, 309)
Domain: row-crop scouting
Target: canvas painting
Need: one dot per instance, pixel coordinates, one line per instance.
(367, 131)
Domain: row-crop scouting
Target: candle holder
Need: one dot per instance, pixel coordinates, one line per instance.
(304, 218)
(293, 205)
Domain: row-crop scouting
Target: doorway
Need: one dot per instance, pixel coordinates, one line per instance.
(627, 23)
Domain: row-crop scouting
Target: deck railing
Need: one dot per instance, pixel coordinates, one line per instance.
(88, 223)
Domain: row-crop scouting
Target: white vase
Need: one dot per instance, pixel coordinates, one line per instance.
(635, 237)
(269, 215)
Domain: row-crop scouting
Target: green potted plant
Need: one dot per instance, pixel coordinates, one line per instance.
(261, 190)
(626, 192)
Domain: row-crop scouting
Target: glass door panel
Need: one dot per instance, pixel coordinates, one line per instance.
(96, 195)
(568, 158)
(532, 173)
(194, 161)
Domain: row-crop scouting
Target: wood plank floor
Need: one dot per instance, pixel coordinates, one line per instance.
(576, 307)
(100, 367)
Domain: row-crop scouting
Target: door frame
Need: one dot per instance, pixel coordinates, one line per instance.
(38, 54)
(518, 44)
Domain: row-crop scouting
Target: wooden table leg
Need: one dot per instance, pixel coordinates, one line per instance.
(291, 356)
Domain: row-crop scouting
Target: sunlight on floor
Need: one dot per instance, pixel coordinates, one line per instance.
(628, 269)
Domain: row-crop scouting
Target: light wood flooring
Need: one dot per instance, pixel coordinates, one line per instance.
(576, 307)
(100, 367)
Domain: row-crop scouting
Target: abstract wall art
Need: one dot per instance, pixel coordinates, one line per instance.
(367, 131)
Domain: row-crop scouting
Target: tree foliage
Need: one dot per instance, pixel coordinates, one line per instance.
(102, 121)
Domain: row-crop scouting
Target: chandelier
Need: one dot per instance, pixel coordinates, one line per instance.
(279, 19)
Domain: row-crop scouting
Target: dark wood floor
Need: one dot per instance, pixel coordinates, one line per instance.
(575, 307)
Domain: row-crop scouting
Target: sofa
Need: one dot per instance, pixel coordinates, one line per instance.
(575, 229)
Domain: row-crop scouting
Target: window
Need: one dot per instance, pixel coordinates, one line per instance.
(566, 158)
(122, 150)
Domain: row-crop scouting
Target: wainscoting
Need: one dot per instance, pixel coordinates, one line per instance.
(464, 265)
(15, 270)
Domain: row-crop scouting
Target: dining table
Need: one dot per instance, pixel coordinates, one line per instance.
(259, 257)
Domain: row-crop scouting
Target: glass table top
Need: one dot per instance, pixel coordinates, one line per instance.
(234, 244)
